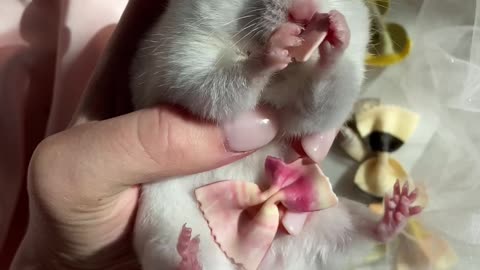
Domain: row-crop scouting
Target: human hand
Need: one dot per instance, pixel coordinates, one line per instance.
(84, 182)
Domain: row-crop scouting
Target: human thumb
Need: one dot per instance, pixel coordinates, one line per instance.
(150, 144)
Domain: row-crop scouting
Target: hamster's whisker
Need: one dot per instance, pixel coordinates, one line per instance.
(249, 25)
(246, 35)
(256, 32)
(238, 19)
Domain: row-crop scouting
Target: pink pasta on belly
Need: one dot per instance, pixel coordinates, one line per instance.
(244, 219)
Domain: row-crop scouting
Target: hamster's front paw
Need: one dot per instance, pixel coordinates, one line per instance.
(396, 213)
(338, 32)
(277, 55)
(338, 37)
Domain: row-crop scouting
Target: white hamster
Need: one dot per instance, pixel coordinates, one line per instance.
(219, 58)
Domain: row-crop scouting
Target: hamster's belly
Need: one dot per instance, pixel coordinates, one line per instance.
(165, 206)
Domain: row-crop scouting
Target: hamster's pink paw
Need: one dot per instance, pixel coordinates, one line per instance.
(397, 211)
(338, 37)
(277, 54)
(338, 32)
(188, 250)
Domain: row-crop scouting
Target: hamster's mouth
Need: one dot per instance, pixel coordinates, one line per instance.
(302, 11)
(261, 20)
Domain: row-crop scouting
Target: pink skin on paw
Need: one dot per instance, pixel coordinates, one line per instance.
(338, 32)
(188, 250)
(337, 40)
(315, 33)
(277, 55)
(397, 212)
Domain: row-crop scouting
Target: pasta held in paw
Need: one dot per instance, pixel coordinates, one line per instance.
(218, 59)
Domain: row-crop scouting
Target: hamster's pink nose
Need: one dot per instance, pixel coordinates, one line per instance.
(302, 11)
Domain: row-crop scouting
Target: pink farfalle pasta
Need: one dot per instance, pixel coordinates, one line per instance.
(244, 219)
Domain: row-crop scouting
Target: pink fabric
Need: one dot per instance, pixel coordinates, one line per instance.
(244, 219)
(48, 49)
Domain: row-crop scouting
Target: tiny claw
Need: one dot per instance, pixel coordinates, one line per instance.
(196, 240)
(186, 230)
(183, 239)
(413, 195)
(405, 189)
(194, 245)
(396, 187)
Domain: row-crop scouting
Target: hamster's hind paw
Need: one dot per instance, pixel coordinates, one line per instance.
(188, 250)
(397, 211)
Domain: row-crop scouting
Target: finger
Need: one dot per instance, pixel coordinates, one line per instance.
(396, 188)
(146, 145)
(415, 210)
(317, 146)
(403, 207)
(413, 196)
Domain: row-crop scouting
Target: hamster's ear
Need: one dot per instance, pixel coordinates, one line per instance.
(108, 92)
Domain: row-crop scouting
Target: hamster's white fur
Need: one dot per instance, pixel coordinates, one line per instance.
(194, 58)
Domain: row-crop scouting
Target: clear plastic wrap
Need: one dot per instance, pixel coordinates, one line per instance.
(441, 81)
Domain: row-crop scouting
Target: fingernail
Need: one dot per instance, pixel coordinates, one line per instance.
(249, 131)
(317, 146)
(294, 222)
